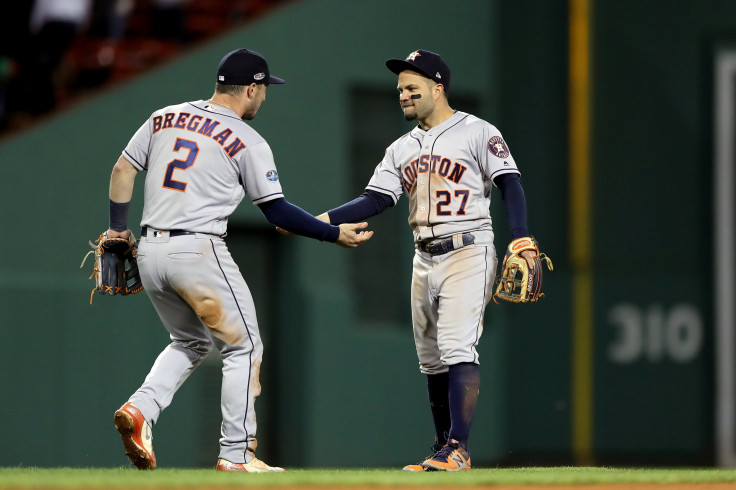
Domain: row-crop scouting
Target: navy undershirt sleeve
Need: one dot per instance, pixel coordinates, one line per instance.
(292, 218)
(513, 195)
(368, 204)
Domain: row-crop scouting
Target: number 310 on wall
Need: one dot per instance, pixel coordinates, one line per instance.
(655, 333)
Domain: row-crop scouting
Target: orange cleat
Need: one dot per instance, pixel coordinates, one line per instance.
(436, 447)
(137, 436)
(452, 457)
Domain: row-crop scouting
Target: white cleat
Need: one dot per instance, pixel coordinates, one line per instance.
(254, 466)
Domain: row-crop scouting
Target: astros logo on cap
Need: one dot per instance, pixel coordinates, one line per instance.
(413, 56)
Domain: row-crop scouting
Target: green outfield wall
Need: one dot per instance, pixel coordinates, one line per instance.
(341, 386)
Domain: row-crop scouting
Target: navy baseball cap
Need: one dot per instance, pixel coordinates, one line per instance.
(243, 67)
(429, 64)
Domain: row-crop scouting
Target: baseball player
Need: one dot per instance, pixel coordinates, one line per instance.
(201, 158)
(446, 166)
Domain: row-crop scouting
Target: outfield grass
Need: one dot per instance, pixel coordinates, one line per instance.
(183, 478)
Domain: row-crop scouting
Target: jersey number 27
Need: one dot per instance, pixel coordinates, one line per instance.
(444, 198)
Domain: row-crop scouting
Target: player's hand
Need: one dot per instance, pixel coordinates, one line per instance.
(529, 256)
(350, 236)
(118, 234)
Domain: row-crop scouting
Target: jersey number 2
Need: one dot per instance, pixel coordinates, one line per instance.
(169, 181)
(445, 198)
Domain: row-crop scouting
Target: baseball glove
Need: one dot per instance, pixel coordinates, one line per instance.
(518, 283)
(116, 268)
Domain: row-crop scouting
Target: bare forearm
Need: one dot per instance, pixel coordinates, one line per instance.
(122, 181)
(121, 191)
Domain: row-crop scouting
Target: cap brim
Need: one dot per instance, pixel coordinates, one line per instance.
(277, 80)
(397, 66)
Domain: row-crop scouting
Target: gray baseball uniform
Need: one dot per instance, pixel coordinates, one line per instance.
(200, 159)
(447, 173)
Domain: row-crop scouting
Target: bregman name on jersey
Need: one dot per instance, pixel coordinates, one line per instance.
(198, 124)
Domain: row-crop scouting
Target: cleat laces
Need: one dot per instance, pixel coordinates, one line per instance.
(444, 453)
(435, 448)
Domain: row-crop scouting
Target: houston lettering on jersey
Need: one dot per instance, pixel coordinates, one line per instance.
(196, 124)
(433, 164)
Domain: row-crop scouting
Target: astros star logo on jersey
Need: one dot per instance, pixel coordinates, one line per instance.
(413, 56)
(497, 146)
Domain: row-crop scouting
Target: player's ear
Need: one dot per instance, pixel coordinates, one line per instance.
(251, 90)
(439, 89)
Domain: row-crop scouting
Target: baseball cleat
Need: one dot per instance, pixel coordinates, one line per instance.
(137, 436)
(254, 466)
(452, 457)
(436, 447)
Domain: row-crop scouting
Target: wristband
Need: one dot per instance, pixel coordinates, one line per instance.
(119, 215)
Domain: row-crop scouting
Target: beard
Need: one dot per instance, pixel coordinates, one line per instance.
(251, 111)
(410, 116)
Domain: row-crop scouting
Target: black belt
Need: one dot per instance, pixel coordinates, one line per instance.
(144, 231)
(441, 246)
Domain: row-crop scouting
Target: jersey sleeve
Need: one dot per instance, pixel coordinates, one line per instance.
(386, 178)
(494, 155)
(137, 150)
(259, 176)
(368, 204)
